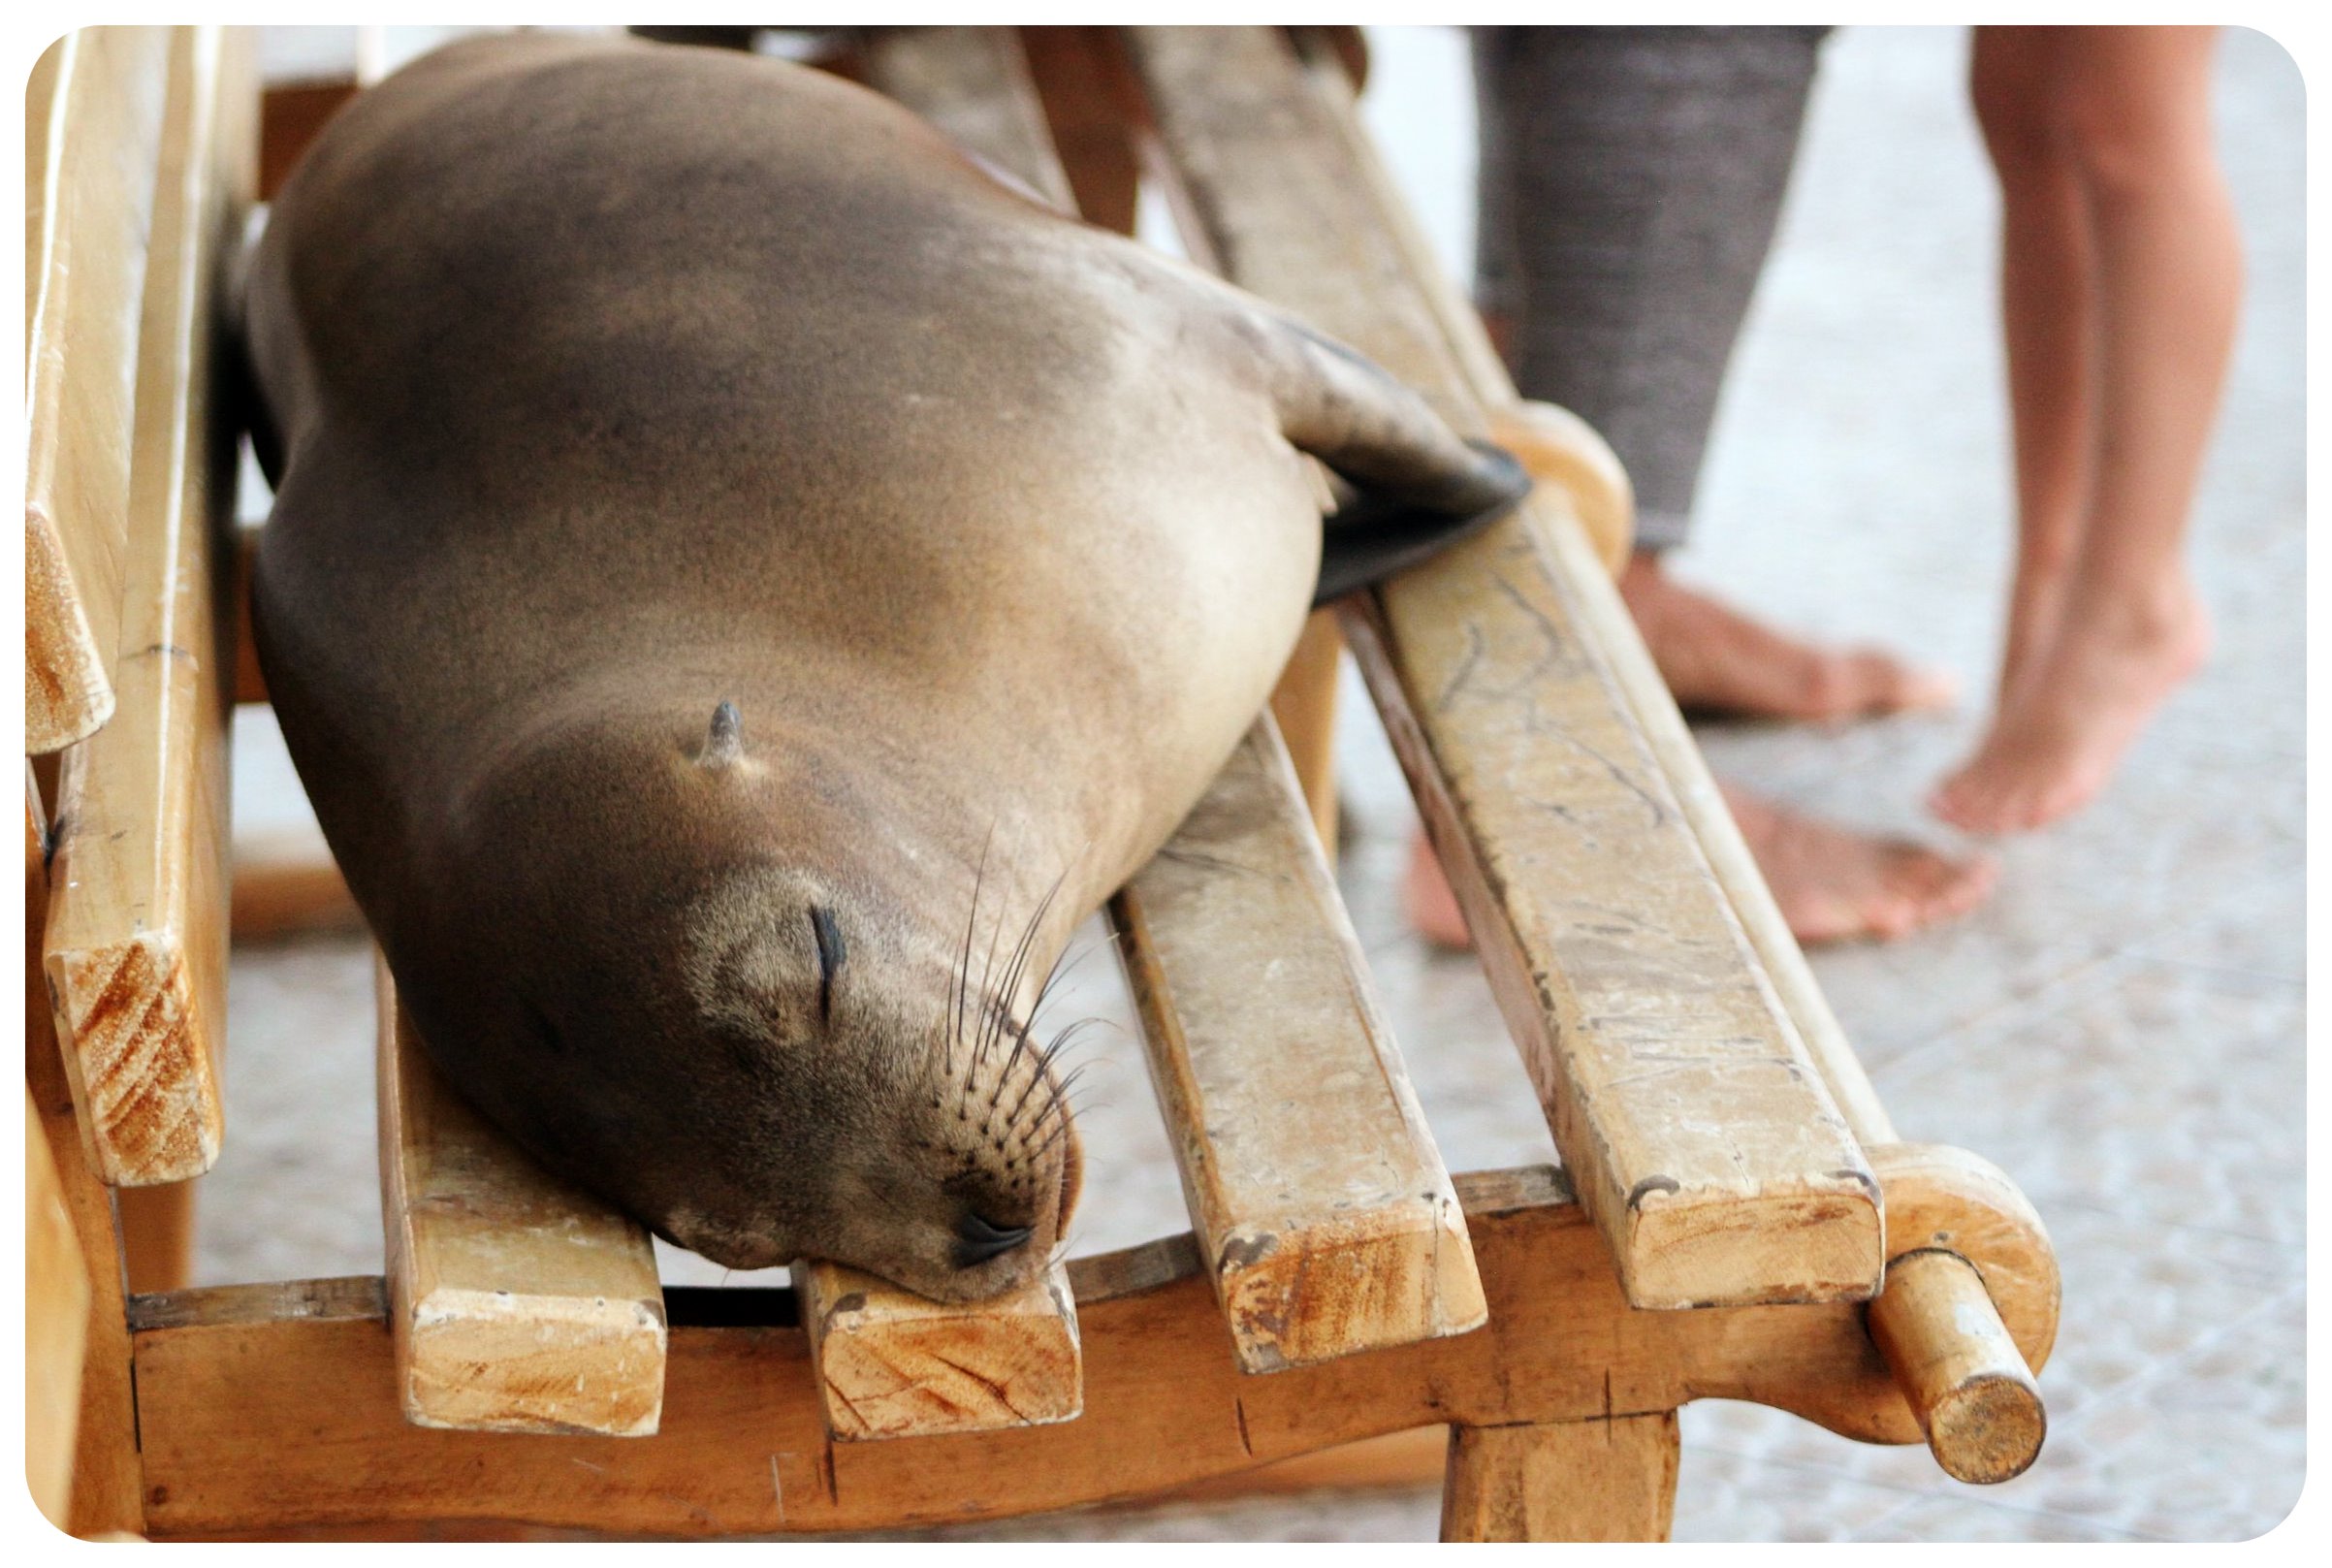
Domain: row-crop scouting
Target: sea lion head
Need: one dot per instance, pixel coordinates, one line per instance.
(721, 986)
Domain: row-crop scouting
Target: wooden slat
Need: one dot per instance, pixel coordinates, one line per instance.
(136, 943)
(302, 1375)
(1303, 707)
(56, 1327)
(108, 1493)
(518, 1302)
(288, 885)
(93, 135)
(1922, 1327)
(1598, 494)
(1681, 1093)
(1323, 1209)
(972, 83)
(890, 1363)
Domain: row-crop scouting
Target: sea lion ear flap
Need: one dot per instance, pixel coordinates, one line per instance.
(724, 742)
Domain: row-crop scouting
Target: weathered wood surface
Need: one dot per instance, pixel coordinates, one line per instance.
(1603, 617)
(1322, 1207)
(56, 1327)
(1915, 1321)
(1562, 452)
(93, 128)
(1975, 1396)
(136, 943)
(1681, 1093)
(891, 1363)
(518, 1302)
(1968, 1312)
(1609, 1479)
(108, 1491)
(304, 1375)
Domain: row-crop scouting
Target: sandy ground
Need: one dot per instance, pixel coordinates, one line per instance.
(2121, 1029)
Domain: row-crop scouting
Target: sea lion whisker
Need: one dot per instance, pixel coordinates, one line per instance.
(1062, 970)
(1067, 1038)
(1017, 968)
(1044, 1065)
(1059, 1099)
(963, 967)
(987, 974)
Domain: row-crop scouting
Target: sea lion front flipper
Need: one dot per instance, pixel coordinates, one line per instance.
(1422, 487)
(1381, 533)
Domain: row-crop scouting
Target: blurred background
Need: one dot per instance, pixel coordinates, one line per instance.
(2120, 1028)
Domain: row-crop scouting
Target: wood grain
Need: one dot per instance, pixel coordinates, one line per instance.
(305, 1375)
(891, 1363)
(1705, 1139)
(1610, 1478)
(1975, 1396)
(93, 145)
(107, 1489)
(136, 942)
(56, 1327)
(1969, 1309)
(518, 1302)
(1322, 1207)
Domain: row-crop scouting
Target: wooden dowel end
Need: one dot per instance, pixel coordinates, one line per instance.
(1955, 1362)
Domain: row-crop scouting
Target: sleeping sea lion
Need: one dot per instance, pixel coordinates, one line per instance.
(742, 583)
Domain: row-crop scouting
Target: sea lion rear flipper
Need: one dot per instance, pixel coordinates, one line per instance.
(1422, 487)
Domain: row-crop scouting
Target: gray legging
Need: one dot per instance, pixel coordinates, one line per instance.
(1630, 182)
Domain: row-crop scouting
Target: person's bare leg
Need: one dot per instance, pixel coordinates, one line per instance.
(1831, 883)
(1716, 660)
(2047, 308)
(2135, 120)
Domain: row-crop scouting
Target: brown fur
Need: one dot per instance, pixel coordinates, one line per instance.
(605, 383)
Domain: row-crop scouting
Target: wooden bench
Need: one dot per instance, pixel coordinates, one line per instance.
(1735, 1217)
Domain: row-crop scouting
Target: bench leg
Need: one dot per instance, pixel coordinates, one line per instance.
(157, 1235)
(1304, 705)
(1079, 79)
(109, 1486)
(1612, 1479)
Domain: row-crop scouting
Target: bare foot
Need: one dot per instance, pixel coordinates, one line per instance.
(1835, 886)
(1715, 658)
(2062, 729)
(1832, 885)
(2036, 608)
(1431, 904)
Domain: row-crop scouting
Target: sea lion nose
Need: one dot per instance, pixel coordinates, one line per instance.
(980, 1238)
